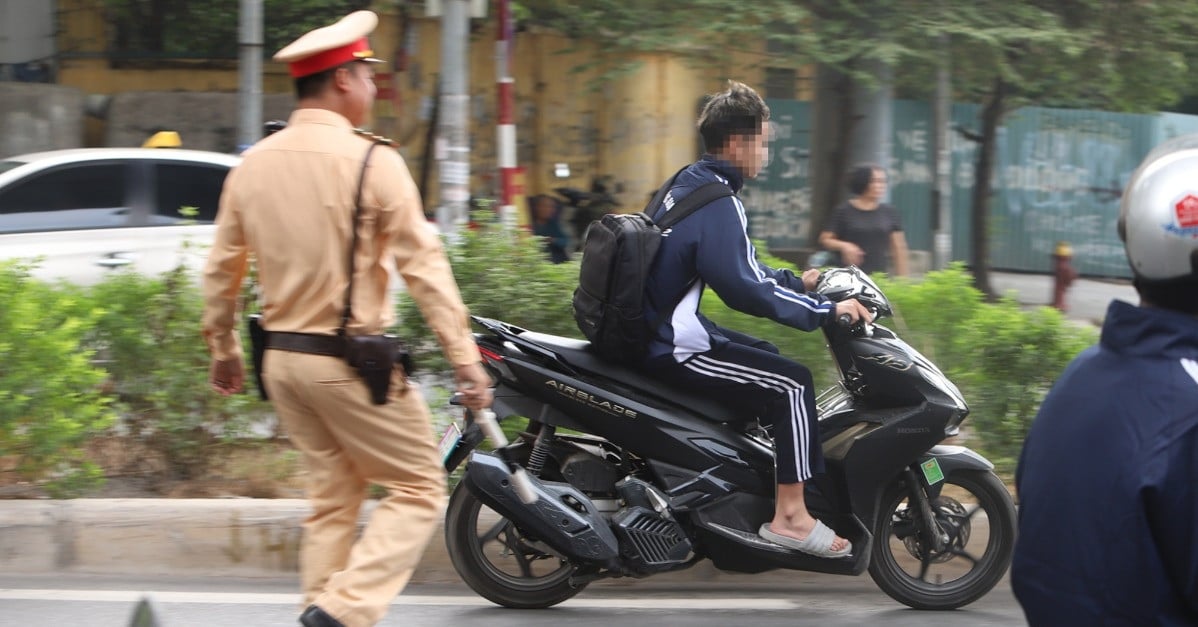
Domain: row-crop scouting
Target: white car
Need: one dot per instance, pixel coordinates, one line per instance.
(86, 211)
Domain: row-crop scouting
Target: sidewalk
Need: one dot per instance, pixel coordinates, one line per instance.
(1087, 299)
(260, 537)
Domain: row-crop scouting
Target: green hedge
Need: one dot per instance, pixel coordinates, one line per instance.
(122, 357)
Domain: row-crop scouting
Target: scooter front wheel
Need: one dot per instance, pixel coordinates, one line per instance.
(975, 517)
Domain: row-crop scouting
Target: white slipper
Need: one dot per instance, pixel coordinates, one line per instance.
(818, 542)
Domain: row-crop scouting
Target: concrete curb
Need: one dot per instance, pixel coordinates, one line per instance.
(204, 537)
(194, 537)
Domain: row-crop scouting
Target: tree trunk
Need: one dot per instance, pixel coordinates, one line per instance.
(992, 114)
(832, 123)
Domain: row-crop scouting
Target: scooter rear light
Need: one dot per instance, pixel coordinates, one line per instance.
(490, 355)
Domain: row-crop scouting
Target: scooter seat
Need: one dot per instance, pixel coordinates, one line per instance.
(578, 353)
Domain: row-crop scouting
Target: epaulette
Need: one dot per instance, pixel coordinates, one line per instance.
(378, 139)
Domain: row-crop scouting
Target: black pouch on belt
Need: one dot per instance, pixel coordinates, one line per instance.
(258, 350)
(374, 357)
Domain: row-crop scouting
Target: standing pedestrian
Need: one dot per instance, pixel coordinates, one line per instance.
(1108, 476)
(303, 203)
(864, 230)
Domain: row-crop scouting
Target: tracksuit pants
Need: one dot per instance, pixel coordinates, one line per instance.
(749, 374)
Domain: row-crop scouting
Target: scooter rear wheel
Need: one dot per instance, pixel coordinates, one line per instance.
(499, 562)
(977, 518)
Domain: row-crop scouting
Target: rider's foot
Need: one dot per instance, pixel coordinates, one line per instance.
(799, 527)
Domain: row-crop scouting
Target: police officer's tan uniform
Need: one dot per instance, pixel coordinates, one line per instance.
(289, 204)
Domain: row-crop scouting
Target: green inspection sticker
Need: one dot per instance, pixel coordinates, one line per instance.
(932, 472)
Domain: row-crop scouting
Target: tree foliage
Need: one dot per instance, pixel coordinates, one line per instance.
(209, 30)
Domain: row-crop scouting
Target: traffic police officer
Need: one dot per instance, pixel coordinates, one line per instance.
(290, 205)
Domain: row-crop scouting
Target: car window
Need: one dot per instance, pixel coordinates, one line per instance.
(188, 185)
(75, 196)
(9, 164)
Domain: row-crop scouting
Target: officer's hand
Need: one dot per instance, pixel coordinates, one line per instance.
(228, 376)
(474, 385)
(810, 278)
(854, 310)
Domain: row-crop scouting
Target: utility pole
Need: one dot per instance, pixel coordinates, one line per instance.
(506, 138)
(942, 185)
(453, 141)
(249, 94)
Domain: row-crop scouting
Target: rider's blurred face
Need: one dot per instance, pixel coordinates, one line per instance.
(750, 153)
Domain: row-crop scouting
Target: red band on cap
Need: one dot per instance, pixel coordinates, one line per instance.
(359, 49)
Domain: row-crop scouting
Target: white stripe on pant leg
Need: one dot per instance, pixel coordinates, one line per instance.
(711, 372)
(800, 436)
(757, 372)
(730, 366)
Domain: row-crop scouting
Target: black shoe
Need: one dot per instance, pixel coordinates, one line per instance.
(316, 617)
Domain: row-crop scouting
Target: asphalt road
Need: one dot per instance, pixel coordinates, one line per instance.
(797, 599)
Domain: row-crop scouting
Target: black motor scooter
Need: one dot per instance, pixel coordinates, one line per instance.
(644, 478)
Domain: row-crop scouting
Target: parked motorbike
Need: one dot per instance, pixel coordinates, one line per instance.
(581, 208)
(629, 477)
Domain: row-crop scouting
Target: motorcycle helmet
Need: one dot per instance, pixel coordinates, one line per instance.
(1158, 217)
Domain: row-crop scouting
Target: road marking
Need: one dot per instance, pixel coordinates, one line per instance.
(253, 598)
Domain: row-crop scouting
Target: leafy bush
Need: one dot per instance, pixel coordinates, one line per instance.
(51, 396)
(148, 339)
(502, 274)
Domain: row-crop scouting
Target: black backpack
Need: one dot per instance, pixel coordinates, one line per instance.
(609, 302)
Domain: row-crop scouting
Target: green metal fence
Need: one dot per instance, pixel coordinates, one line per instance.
(1058, 176)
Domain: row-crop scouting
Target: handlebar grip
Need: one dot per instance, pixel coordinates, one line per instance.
(844, 320)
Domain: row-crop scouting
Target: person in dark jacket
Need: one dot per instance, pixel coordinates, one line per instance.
(711, 248)
(545, 216)
(1108, 476)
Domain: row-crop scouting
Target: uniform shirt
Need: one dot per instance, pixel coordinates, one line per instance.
(291, 204)
(869, 230)
(1108, 481)
(711, 247)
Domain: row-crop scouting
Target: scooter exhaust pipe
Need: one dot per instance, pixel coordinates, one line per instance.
(561, 516)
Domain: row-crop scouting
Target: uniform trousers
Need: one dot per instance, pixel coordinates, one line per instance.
(750, 375)
(347, 443)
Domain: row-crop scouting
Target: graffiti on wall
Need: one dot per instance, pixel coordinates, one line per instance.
(1059, 176)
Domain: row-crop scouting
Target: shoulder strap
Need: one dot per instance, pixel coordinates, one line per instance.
(692, 202)
(353, 246)
(660, 194)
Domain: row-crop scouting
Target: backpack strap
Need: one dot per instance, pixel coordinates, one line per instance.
(692, 202)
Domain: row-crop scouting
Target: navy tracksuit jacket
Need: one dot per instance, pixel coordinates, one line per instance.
(711, 248)
(1108, 481)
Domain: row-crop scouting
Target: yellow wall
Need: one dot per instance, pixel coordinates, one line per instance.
(637, 128)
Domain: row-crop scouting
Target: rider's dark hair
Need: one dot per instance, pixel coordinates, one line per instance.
(859, 178)
(1175, 294)
(736, 111)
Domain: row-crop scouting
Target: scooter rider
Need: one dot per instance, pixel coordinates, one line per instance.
(711, 248)
(1108, 477)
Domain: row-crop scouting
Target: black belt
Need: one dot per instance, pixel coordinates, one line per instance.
(311, 343)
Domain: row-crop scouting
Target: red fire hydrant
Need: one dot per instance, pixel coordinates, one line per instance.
(1063, 274)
